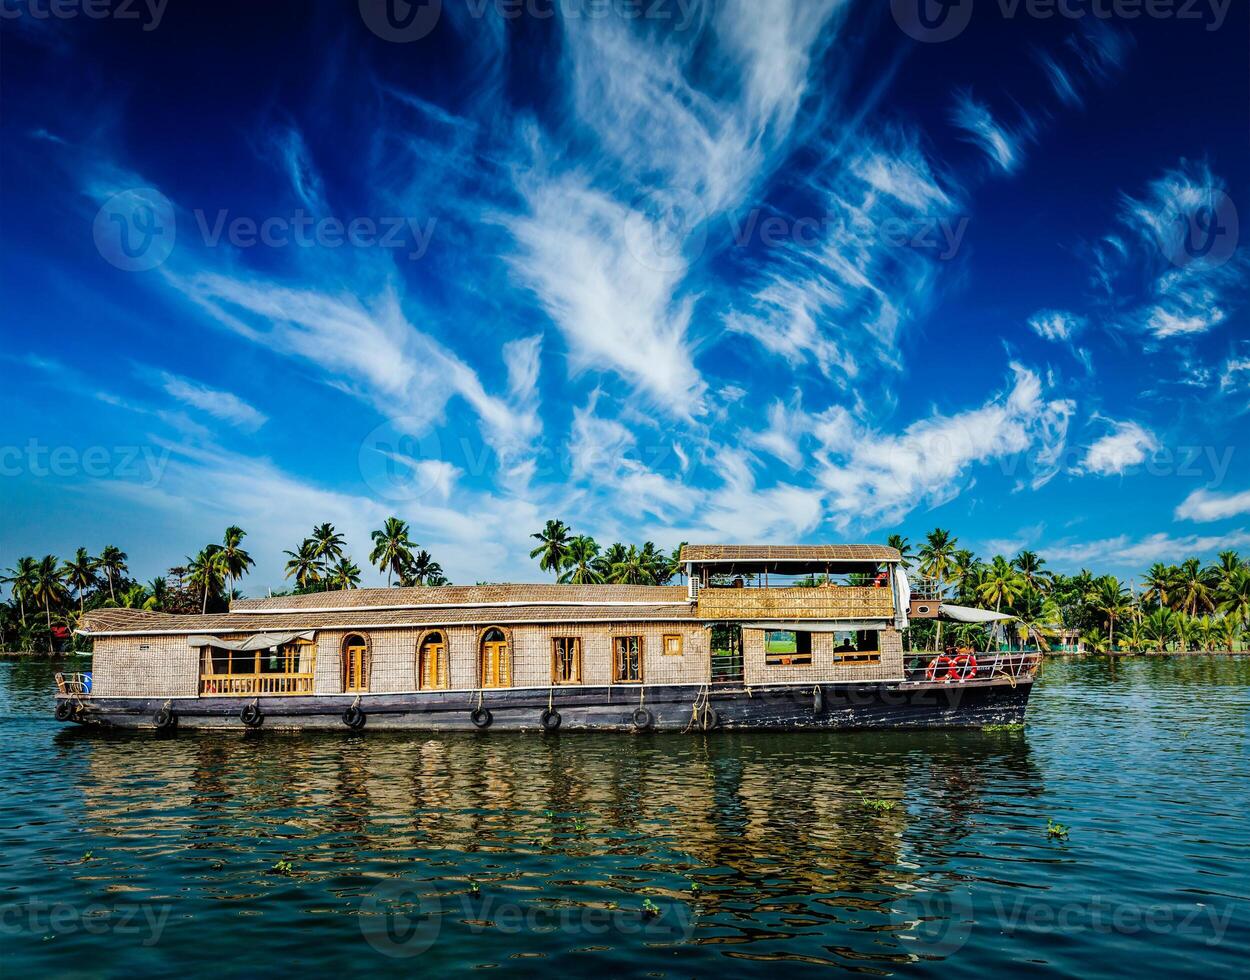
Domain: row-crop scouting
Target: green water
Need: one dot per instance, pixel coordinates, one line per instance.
(132, 855)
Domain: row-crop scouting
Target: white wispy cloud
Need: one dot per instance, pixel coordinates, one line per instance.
(606, 254)
(368, 348)
(1004, 146)
(847, 294)
(220, 404)
(1184, 295)
(877, 477)
(1124, 551)
(1056, 325)
(1205, 505)
(1126, 445)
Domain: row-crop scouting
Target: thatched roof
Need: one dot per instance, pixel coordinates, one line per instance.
(467, 595)
(100, 622)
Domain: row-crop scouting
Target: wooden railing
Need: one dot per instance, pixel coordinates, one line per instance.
(836, 602)
(251, 685)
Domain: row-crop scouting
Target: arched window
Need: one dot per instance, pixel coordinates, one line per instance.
(433, 673)
(356, 664)
(495, 659)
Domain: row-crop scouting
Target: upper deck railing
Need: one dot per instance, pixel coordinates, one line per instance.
(819, 603)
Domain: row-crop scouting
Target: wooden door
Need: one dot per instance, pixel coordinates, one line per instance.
(433, 674)
(355, 668)
(496, 664)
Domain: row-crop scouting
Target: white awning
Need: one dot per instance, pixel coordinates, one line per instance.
(967, 614)
(261, 641)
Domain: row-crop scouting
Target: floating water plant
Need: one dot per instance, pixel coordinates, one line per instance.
(880, 806)
(1017, 726)
(1054, 829)
(282, 868)
(649, 908)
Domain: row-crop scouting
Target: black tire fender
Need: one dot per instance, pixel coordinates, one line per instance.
(709, 719)
(252, 716)
(643, 719)
(551, 720)
(166, 719)
(354, 718)
(481, 717)
(64, 710)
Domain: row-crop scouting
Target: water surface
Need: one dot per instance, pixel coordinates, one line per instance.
(910, 853)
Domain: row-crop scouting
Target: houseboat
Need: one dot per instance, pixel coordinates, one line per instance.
(759, 637)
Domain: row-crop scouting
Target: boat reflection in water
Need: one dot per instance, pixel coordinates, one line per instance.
(787, 847)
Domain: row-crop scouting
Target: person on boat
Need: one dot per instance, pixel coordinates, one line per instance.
(881, 579)
(846, 647)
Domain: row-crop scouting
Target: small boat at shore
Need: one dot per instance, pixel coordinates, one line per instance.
(760, 638)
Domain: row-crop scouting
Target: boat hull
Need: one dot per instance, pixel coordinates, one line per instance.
(679, 708)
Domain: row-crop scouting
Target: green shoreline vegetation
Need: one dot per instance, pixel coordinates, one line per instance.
(1187, 607)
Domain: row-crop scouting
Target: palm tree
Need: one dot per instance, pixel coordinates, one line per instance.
(1001, 584)
(1029, 565)
(1160, 583)
(207, 572)
(1160, 627)
(421, 569)
(236, 560)
(21, 578)
(1110, 599)
(79, 573)
(113, 561)
(659, 572)
(303, 564)
(1195, 587)
(392, 550)
(609, 559)
(135, 597)
(675, 565)
(1227, 631)
(553, 549)
(328, 544)
(630, 570)
(1234, 595)
(937, 555)
(903, 547)
(345, 575)
(579, 568)
(965, 572)
(48, 589)
(159, 593)
(936, 561)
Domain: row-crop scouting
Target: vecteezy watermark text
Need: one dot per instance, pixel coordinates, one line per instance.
(147, 12)
(135, 230)
(144, 465)
(404, 21)
(935, 21)
(305, 231)
(403, 920)
(35, 917)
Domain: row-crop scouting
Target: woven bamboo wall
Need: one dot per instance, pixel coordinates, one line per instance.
(840, 602)
(149, 666)
(823, 668)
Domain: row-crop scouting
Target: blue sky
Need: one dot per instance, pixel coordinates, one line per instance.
(786, 271)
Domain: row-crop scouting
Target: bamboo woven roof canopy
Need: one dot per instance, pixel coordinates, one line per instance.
(789, 558)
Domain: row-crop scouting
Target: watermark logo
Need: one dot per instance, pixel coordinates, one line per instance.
(135, 230)
(401, 460)
(666, 230)
(400, 921)
(1205, 232)
(935, 925)
(932, 21)
(401, 21)
(144, 465)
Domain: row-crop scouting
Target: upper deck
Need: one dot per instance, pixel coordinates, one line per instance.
(788, 583)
